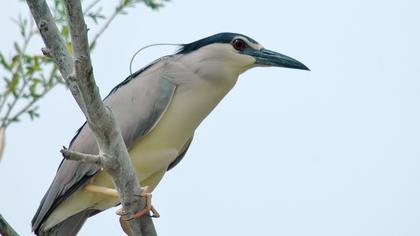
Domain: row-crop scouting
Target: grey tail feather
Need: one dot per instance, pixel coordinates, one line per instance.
(68, 227)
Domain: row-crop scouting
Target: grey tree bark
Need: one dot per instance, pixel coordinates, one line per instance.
(77, 71)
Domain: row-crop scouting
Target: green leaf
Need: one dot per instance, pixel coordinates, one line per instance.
(65, 31)
(96, 15)
(69, 47)
(33, 88)
(17, 47)
(155, 4)
(12, 85)
(22, 23)
(36, 62)
(6, 79)
(33, 113)
(4, 63)
(15, 119)
(15, 60)
(23, 26)
(33, 65)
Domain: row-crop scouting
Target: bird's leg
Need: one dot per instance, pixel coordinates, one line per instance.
(114, 193)
(123, 220)
(103, 190)
(144, 193)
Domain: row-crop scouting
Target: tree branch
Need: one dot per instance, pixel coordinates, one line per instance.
(77, 156)
(79, 77)
(6, 120)
(6, 229)
(55, 43)
(19, 69)
(28, 105)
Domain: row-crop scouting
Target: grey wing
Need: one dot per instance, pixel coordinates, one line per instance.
(181, 155)
(137, 105)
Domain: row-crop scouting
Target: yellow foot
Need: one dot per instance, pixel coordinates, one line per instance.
(124, 221)
(145, 193)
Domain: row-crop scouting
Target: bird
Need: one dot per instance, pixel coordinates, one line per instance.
(158, 108)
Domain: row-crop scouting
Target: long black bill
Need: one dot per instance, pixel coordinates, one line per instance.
(266, 57)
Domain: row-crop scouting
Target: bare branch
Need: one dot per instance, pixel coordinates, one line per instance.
(3, 100)
(77, 156)
(54, 42)
(51, 36)
(80, 80)
(46, 52)
(6, 229)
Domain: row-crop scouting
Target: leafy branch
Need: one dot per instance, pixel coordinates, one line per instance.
(29, 77)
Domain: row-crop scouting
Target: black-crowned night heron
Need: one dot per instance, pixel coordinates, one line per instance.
(158, 109)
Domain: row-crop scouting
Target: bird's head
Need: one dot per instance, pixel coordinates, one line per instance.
(235, 53)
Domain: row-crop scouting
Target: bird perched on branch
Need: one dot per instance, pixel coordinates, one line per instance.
(158, 109)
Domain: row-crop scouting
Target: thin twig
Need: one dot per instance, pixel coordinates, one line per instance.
(6, 120)
(19, 68)
(51, 35)
(3, 102)
(53, 74)
(49, 86)
(82, 157)
(46, 52)
(29, 105)
(90, 6)
(106, 24)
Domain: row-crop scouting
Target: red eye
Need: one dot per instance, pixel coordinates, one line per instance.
(239, 44)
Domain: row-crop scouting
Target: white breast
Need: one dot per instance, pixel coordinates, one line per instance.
(193, 100)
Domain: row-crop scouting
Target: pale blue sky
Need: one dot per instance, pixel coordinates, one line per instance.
(334, 151)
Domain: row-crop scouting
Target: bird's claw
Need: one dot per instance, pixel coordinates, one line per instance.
(149, 207)
(123, 215)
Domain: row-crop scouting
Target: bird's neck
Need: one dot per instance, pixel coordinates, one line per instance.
(217, 61)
